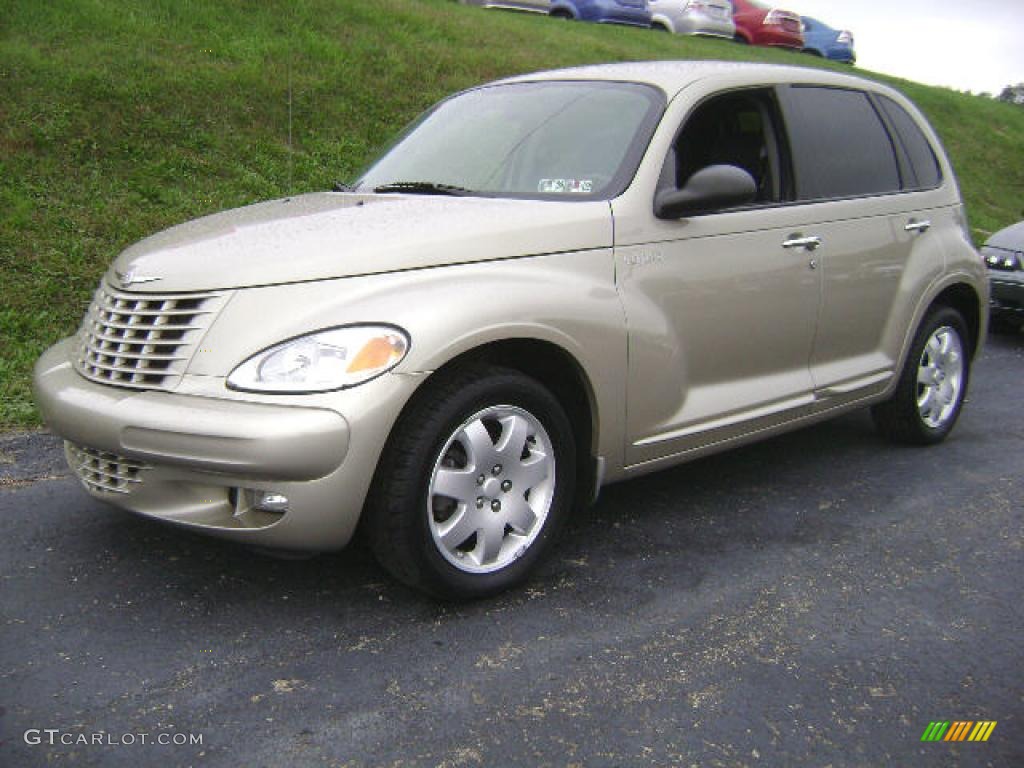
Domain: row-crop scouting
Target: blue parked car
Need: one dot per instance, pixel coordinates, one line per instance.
(821, 40)
(634, 12)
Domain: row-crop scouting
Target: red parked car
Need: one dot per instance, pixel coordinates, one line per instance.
(759, 24)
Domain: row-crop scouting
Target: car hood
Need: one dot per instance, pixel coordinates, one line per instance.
(1009, 239)
(330, 235)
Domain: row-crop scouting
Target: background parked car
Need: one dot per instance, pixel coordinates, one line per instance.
(822, 40)
(635, 12)
(1004, 255)
(759, 24)
(538, 6)
(694, 17)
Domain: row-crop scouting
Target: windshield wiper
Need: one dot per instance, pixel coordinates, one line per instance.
(423, 188)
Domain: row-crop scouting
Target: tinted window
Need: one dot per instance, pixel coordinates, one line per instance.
(839, 144)
(924, 166)
(736, 129)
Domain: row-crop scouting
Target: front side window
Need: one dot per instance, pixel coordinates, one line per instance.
(544, 140)
(738, 129)
(839, 144)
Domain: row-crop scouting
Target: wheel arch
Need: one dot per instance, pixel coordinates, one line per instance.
(965, 300)
(557, 369)
(958, 292)
(662, 23)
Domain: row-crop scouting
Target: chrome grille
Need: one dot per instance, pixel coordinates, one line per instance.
(142, 340)
(104, 472)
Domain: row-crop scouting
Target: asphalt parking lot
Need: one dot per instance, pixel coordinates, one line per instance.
(814, 600)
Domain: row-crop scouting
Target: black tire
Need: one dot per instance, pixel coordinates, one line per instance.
(899, 419)
(398, 525)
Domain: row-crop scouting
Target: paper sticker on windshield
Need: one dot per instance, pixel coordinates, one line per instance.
(565, 186)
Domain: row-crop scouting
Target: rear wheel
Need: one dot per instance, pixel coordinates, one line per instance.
(932, 386)
(475, 484)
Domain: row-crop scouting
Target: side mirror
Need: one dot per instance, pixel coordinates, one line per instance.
(709, 189)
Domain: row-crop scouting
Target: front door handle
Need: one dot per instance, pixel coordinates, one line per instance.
(810, 243)
(918, 226)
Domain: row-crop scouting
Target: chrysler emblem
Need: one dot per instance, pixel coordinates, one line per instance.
(131, 278)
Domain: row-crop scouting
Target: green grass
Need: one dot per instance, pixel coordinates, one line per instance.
(120, 118)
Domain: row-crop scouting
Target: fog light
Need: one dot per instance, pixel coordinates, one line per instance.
(269, 501)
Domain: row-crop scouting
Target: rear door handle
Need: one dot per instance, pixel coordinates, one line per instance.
(918, 226)
(810, 243)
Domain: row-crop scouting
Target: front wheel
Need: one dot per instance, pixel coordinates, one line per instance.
(932, 386)
(474, 485)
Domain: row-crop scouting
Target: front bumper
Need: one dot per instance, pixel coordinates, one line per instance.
(1007, 293)
(841, 53)
(194, 460)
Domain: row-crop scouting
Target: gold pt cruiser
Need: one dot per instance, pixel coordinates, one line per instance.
(547, 284)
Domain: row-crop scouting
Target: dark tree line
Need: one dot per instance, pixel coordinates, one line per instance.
(1013, 94)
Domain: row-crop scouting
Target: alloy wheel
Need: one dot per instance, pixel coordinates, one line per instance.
(940, 377)
(491, 489)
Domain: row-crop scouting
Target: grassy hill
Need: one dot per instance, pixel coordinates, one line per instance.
(120, 118)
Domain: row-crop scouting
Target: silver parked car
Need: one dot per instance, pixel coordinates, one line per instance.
(548, 284)
(694, 17)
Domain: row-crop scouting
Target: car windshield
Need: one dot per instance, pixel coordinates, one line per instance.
(542, 140)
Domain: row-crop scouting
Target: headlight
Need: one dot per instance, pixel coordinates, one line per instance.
(1003, 260)
(331, 359)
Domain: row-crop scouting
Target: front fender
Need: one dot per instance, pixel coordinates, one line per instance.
(566, 299)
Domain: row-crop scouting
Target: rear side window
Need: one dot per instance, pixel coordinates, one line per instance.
(840, 146)
(924, 172)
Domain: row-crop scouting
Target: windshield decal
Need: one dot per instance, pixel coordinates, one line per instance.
(565, 186)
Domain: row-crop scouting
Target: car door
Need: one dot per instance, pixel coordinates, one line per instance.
(721, 315)
(850, 179)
